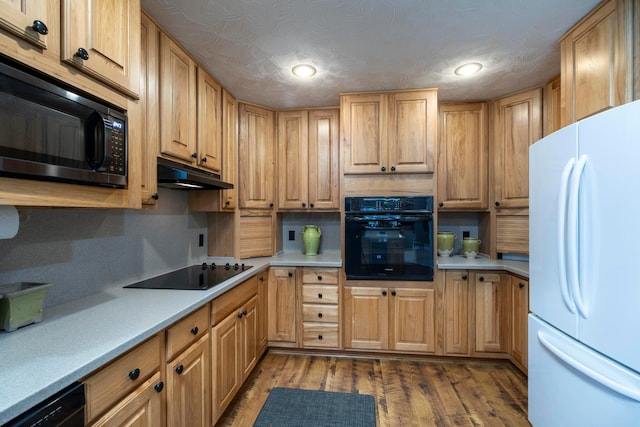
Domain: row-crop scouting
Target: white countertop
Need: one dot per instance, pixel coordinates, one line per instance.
(482, 262)
(78, 337)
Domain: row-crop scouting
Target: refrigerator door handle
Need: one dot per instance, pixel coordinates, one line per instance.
(562, 235)
(572, 237)
(610, 375)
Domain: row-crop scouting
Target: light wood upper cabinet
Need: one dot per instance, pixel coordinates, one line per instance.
(28, 20)
(149, 108)
(552, 107)
(391, 132)
(596, 61)
(492, 302)
(517, 125)
(101, 38)
(308, 152)
(177, 102)
(229, 197)
(209, 123)
(256, 153)
(463, 153)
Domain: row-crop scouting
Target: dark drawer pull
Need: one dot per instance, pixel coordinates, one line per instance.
(320, 296)
(158, 387)
(319, 277)
(521, 285)
(179, 369)
(134, 374)
(194, 330)
(319, 314)
(320, 337)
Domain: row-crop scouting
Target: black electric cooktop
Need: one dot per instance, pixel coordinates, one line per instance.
(197, 277)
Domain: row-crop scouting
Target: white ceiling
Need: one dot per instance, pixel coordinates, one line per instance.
(249, 46)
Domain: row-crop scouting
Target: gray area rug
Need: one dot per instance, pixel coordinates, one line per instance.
(291, 407)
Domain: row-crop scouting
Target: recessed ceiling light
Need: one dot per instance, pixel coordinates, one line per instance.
(468, 69)
(303, 70)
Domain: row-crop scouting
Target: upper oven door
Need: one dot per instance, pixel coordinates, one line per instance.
(389, 246)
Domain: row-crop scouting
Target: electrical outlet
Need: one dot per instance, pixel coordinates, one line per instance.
(292, 235)
(201, 240)
(466, 234)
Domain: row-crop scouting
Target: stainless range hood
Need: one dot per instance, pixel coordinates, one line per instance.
(180, 177)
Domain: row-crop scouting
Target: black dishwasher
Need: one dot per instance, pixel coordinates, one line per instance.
(63, 409)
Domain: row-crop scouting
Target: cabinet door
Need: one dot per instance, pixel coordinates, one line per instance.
(141, 408)
(229, 198)
(519, 313)
(293, 175)
(412, 133)
(463, 156)
(189, 386)
(256, 235)
(209, 123)
(149, 109)
(282, 304)
(518, 124)
(177, 102)
(595, 63)
(552, 107)
(363, 119)
(412, 320)
(324, 149)
(367, 311)
(101, 38)
(492, 318)
(226, 363)
(256, 151)
(455, 306)
(19, 17)
(263, 312)
(249, 336)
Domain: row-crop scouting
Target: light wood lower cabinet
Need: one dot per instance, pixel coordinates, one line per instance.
(320, 308)
(282, 306)
(455, 313)
(390, 319)
(492, 301)
(519, 326)
(235, 341)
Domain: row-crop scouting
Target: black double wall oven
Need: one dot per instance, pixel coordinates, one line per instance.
(389, 238)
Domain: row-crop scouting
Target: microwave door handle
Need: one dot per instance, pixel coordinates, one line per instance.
(96, 141)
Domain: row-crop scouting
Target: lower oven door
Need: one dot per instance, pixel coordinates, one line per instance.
(389, 247)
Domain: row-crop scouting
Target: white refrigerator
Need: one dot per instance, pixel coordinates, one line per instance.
(584, 261)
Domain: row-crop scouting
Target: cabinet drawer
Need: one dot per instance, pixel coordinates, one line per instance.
(319, 294)
(320, 335)
(319, 275)
(322, 313)
(114, 381)
(187, 331)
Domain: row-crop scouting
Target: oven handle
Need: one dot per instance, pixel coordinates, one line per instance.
(412, 212)
(404, 218)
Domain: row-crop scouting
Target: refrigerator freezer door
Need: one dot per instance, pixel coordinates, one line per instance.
(609, 233)
(551, 162)
(571, 385)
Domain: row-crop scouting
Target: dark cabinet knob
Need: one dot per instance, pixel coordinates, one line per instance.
(240, 315)
(203, 160)
(304, 205)
(464, 277)
(393, 293)
(82, 53)
(393, 168)
(227, 203)
(521, 285)
(319, 277)
(498, 203)
(481, 278)
(320, 337)
(194, 330)
(320, 296)
(271, 205)
(383, 169)
(194, 155)
(134, 374)
(179, 369)
(290, 274)
(244, 312)
(384, 293)
(158, 387)
(155, 196)
(319, 314)
(311, 205)
(40, 28)
(261, 278)
(441, 204)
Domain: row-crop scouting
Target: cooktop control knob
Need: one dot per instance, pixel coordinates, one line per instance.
(236, 266)
(213, 265)
(204, 266)
(227, 266)
(242, 266)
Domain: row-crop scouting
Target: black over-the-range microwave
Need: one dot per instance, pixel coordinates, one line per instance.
(51, 131)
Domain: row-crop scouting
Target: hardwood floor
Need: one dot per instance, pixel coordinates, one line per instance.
(408, 392)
